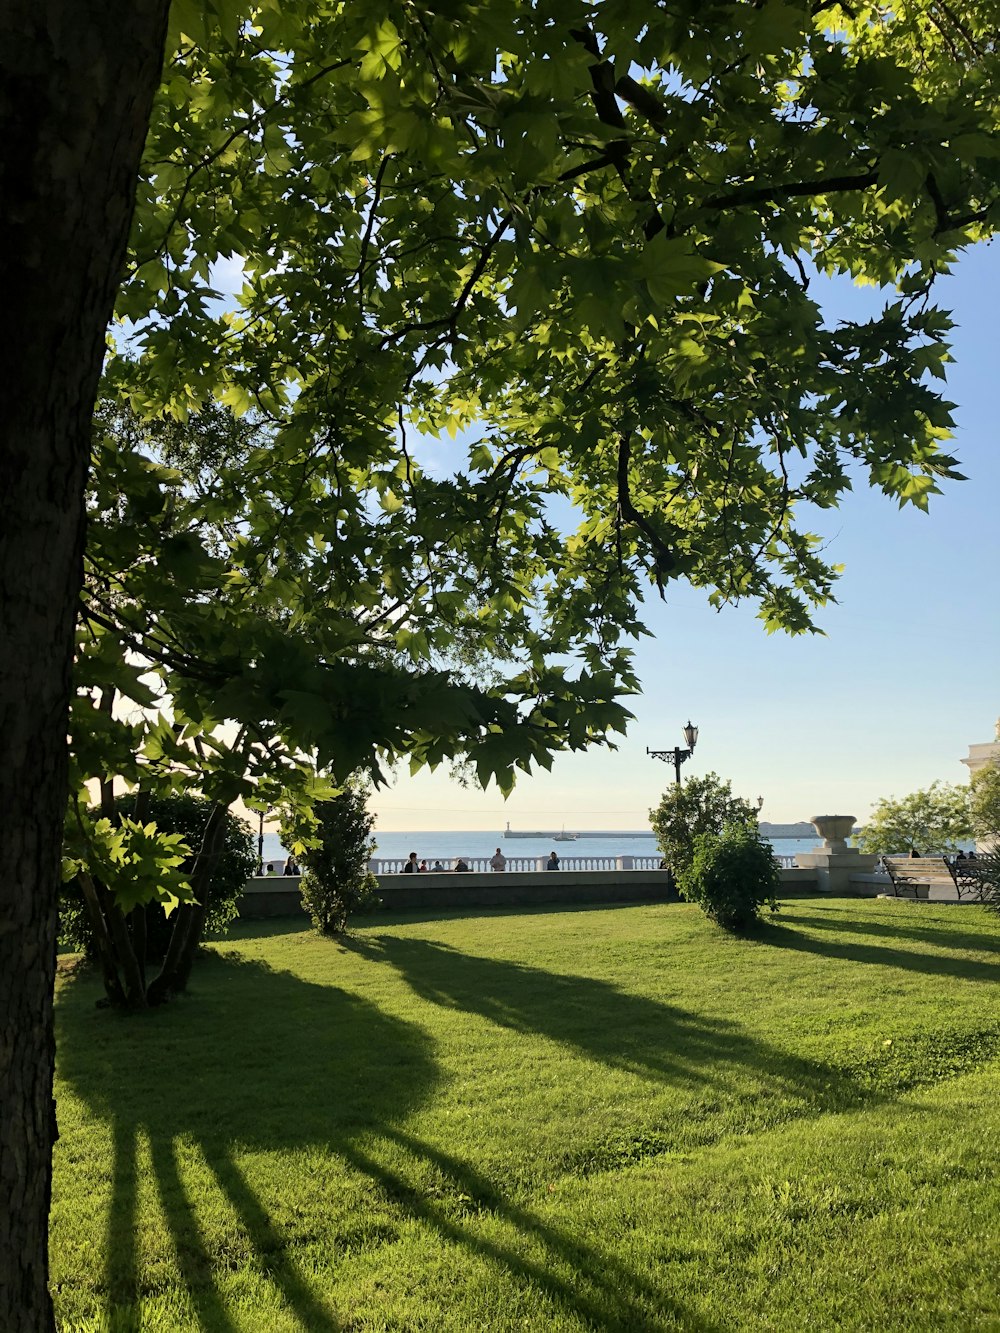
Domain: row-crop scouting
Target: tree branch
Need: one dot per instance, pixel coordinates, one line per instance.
(791, 190)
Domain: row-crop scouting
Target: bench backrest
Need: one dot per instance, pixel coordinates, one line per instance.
(917, 867)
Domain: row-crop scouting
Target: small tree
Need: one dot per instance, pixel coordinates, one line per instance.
(701, 805)
(150, 928)
(334, 844)
(732, 875)
(934, 820)
(985, 805)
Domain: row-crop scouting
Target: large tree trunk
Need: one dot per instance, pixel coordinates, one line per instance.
(76, 86)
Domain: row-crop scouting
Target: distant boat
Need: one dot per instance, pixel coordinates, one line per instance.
(539, 833)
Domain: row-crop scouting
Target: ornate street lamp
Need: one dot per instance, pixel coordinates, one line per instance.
(260, 843)
(677, 754)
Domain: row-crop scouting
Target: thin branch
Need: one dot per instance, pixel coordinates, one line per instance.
(940, 207)
(803, 275)
(369, 228)
(143, 643)
(450, 321)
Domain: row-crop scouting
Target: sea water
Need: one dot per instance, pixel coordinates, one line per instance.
(446, 846)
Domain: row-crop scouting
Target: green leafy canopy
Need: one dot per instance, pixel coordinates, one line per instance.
(407, 287)
(936, 819)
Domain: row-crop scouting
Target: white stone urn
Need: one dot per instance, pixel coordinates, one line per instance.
(834, 830)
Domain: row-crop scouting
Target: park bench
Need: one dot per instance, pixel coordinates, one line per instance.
(976, 878)
(915, 875)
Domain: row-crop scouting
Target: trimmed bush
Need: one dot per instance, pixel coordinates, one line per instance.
(732, 875)
(187, 814)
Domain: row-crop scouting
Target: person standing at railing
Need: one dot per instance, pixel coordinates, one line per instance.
(411, 867)
(553, 862)
(498, 861)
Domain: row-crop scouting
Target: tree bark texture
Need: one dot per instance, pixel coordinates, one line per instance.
(76, 87)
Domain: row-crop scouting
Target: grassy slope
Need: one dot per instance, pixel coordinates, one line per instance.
(612, 1119)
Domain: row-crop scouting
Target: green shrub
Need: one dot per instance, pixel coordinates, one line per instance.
(186, 814)
(732, 875)
(333, 843)
(700, 805)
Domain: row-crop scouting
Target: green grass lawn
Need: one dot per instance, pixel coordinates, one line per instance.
(617, 1119)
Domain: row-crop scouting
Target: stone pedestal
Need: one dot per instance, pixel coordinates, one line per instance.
(834, 869)
(834, 862)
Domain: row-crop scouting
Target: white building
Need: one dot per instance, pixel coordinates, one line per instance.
(981, 755)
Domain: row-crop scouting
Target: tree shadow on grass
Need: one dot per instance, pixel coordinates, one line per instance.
(786, 936)
(932, 934)
(262, 1060)
(604, 1291)
(604, 1023)
(256, 1059)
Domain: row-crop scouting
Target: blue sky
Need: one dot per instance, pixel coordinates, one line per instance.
(888, 700)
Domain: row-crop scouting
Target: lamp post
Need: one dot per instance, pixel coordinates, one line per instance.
(677, 754)
(260, 845)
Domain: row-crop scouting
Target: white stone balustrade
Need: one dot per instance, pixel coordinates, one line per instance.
(394, 865)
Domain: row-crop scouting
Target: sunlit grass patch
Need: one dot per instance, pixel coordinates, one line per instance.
(597, 1119)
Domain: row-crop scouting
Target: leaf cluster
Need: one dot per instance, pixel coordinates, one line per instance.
(479, 223)
(214, 653)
